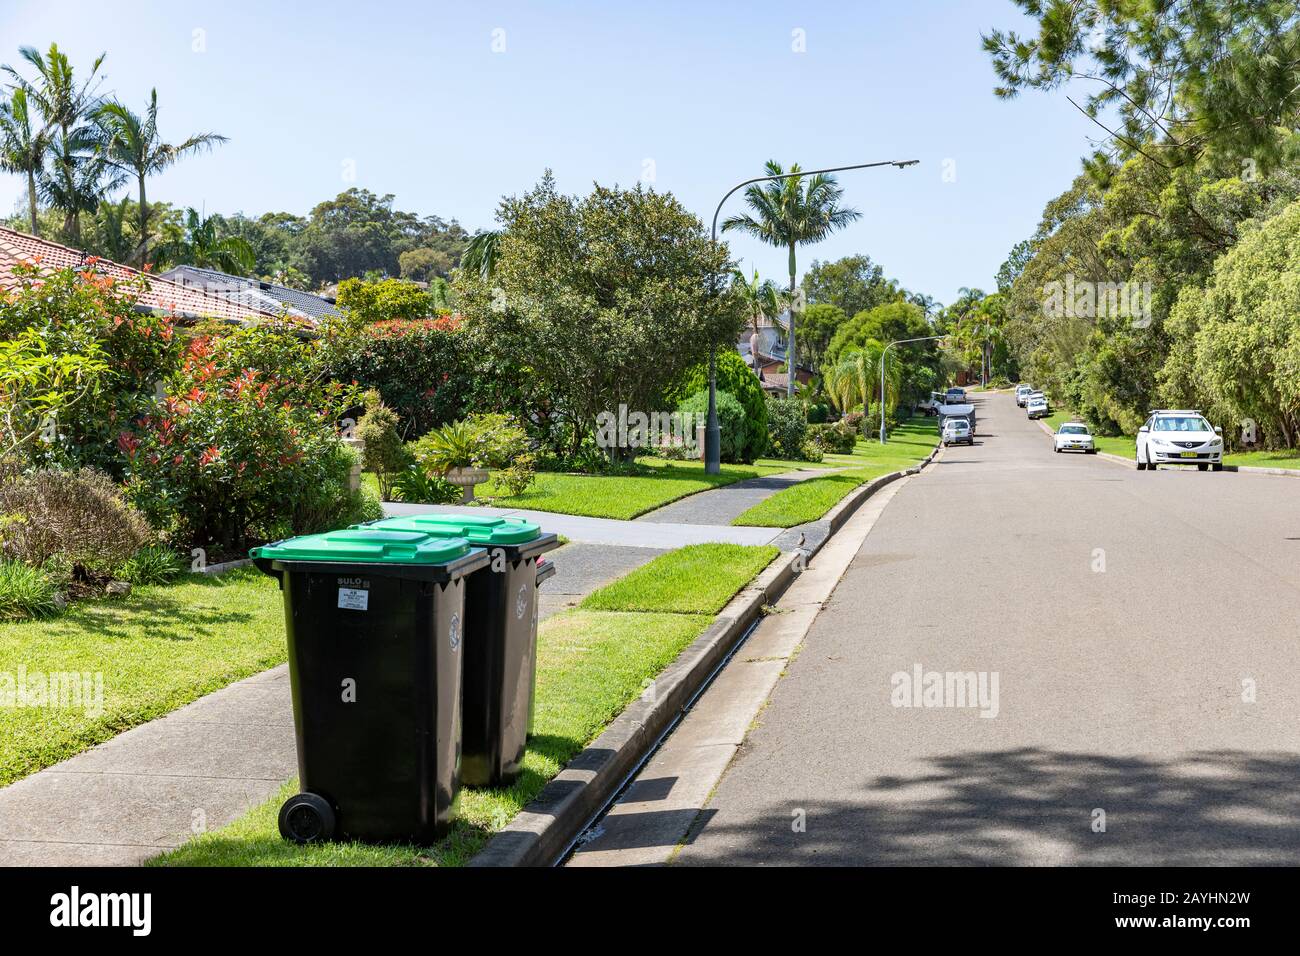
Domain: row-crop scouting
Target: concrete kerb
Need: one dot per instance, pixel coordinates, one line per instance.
(545, 829)
(1244, 469)
(843, 511)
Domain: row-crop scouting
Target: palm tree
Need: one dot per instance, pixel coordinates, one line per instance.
(111, 221)
(203, 245)
(760, 297)
(132, 146)
(789, 213)
(22, 147)
(76, 180)
(481, 254)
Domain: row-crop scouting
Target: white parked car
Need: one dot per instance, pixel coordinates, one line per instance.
(1036, 406)
(1022, 394)
(957, 431)
(1179, 437)
(1074, 436)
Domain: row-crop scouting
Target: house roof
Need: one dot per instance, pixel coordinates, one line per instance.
(255, 292)
(170, 297)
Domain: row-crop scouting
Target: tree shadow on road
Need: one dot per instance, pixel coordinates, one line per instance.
(1034, 806)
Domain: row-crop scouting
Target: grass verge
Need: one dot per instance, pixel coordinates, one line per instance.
(811, 499)
(696, 579)
(157, 649)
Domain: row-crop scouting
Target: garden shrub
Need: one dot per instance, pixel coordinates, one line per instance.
(225, 461)
(414, 486)
(787, 428)
(817, 413)
(871, 422)
(76, 314)
(837, 438)
(152, 564)
(733, 436)
(419, 368)
(519, 476)
(26, 592)
(80, 516)
(739, 381)
(384, 453)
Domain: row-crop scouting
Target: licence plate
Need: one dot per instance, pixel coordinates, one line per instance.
(1188, 454)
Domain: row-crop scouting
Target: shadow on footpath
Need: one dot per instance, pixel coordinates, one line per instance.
(1036, 807)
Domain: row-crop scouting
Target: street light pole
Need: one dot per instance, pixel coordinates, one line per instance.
(924, 338)
(712, 433)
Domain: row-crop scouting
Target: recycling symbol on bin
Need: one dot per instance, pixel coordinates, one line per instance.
(453, 632)
(521, 601)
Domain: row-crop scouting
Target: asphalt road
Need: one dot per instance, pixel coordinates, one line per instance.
(1126, 615)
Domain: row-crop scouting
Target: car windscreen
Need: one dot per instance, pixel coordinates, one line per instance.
(1181, 423)
(1073, 430)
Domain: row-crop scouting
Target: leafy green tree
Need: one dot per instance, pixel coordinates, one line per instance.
(1241, 333)
(424, 265)
(1182, 76)
(132, 145)
(853, 284)
(388, 300)
(737, 379)
(597, 301)
(788, 213)
(820, 321)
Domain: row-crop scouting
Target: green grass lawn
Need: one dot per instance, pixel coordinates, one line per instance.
(156, 649)
(619, 496)
(811, 499)
(591, 665)
(697, 579)
(1286, 458)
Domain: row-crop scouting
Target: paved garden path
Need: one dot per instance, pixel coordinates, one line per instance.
(720, 506)
(611, 531)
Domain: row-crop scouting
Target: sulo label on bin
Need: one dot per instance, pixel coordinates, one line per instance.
(354, 599)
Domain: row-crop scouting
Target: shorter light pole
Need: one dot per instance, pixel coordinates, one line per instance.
(924, 338)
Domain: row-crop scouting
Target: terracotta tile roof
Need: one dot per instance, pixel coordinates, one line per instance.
(174, 299)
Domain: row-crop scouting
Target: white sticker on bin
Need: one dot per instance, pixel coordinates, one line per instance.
(354, 599)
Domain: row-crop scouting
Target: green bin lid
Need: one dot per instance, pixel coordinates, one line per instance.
(369, 545)
(483, 530)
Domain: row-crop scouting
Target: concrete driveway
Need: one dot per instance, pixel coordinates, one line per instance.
(1144, 634)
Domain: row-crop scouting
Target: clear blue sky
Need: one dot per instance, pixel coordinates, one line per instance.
(414, 95)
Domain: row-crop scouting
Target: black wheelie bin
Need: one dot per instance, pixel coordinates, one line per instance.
(500, 638)
(375, 626)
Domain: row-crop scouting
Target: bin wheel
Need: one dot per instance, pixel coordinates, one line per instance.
(306, 818)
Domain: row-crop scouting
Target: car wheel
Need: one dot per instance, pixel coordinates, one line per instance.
(1091, 451)
(1203, 467)
(1216, 466)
